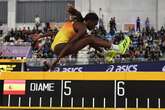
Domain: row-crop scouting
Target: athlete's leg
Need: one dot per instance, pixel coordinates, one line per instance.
(90, 40)
(58, 48)
(81, 43)
(64, 50)
(98, 42)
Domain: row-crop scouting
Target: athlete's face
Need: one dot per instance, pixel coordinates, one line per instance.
(91, 24)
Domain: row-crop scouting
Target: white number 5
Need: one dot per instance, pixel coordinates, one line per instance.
(67, 89)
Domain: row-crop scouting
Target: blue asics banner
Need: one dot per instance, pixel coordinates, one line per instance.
(123, 67)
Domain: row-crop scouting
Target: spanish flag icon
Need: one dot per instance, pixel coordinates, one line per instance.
(14, 87)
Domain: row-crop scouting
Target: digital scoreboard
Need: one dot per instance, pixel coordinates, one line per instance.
(83, 90)
(9, 65)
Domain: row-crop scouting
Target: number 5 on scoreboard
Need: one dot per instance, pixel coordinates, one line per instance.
(67, 88)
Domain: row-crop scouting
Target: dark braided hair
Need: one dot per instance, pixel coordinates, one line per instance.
(76, 15)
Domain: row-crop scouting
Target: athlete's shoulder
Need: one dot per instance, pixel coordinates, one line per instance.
(79, 26)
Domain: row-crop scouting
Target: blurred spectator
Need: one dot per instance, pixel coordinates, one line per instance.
(1, 30)
(101, 16)
(147, 23)
(112, 25)
(37, 21)
(162, 31)
(162, 45)
(47, 27)
(138, 24)
(45, 66)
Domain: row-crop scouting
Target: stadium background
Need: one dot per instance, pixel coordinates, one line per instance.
(113, 84)
(125, 13)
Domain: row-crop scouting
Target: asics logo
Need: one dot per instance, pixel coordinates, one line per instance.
(163, 69)
(110, 68)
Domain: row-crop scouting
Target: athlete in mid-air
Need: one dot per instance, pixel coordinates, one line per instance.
(73, 36)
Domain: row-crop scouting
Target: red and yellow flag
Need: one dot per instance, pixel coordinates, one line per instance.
(14, 87)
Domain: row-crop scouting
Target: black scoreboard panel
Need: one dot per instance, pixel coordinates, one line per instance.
(1, 92)
(89, 93)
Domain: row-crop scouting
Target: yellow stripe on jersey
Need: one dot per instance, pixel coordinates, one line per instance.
(65, 34)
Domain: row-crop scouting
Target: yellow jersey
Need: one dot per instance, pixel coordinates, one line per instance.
(65, 34)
